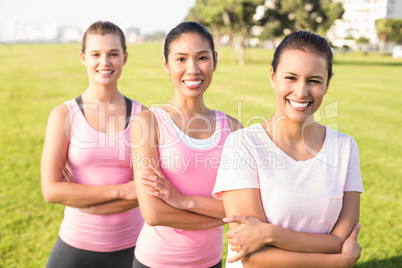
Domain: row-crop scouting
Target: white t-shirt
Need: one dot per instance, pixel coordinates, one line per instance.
(302, 196)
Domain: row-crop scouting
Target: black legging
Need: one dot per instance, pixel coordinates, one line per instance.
(66, 256)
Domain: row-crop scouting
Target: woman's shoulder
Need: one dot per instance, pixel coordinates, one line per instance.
(137, 104)
(252, 130)
(233, 123)
(248, 136)
(60, 110)
(59, 118)
(63, 108)
(145, 115)
(337, 136)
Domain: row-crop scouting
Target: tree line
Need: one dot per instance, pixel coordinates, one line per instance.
(242, 20)
(263, 19)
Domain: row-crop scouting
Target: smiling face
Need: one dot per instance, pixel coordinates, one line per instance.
(300, 83)
(190, 64)
(104, 59)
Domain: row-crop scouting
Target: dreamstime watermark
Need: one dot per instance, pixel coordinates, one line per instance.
(328, 115)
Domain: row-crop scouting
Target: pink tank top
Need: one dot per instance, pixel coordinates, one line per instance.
(97, 158)
(192, 172)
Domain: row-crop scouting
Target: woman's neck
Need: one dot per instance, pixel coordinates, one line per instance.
(301, 141)
(283, 130)
(189, 106)
(101, 94)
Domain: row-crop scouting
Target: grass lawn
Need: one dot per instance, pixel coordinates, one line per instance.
(363, 101)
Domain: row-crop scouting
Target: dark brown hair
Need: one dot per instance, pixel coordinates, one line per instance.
(188, 27)
(308, 42)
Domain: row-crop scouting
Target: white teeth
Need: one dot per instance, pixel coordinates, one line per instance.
(299, 104)
(105, 72)
(193, 83)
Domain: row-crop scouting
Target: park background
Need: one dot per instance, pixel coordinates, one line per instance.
(363, 101)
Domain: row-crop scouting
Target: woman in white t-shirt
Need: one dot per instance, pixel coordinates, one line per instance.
(290, 186)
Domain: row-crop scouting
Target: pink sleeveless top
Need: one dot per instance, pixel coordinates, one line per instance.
(192, 172)
(97, 158)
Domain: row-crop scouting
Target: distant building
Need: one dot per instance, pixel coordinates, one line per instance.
(23, 32)
(358, 21)
(132, 35)
(69, 35)
(27, 33)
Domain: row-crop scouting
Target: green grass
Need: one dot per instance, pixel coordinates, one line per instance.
(364, 98)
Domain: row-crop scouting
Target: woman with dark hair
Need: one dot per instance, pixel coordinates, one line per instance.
(292, 198)
(176, 151)
(86, 164)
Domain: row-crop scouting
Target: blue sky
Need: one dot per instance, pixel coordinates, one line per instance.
(148, 15)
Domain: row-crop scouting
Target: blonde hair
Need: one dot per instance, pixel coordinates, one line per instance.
(102, 28)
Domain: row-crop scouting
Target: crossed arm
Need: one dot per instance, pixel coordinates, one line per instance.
(58, 185)
(260, 244)
(160, 202)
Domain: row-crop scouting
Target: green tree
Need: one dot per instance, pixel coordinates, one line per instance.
(232, 17)
(204, 12)
(362, 43)
(389, 30)
(239, 16)
(199, 13)
(285, 16)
